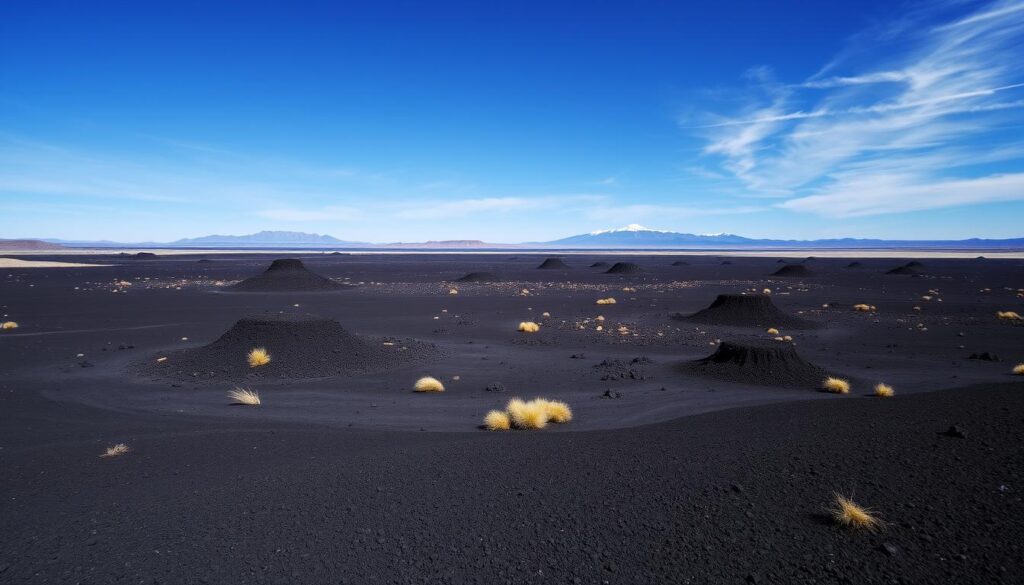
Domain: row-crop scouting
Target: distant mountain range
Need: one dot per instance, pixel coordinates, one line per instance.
(632, 236)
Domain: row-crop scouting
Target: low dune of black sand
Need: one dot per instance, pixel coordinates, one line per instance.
(599, 265)
(287, 275)
(752, 310)
(624, 268)
(777, 364)
(478, 277)
(909, 269)
(855, 264)
(680, 263)
(300, 346)
(793, 271)
(553, 264)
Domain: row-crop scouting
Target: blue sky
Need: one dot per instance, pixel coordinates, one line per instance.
(520, 122)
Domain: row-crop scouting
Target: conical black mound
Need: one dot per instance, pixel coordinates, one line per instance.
(478, 277)
(623, 268)
(855, 264)
(746, 311)
(287, 275)
(599, 265)
(763, 365)
(905, 270)
(792, 271)
(680, 263)
(300, 346)
(553, 264)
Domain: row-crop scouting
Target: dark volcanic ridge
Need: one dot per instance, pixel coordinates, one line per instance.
(553, 264)
(623, 268)
(287, 275)
(478, 277)
(793, 270)
(909, 269)
(754, 310)
(300, 346)
(599, 265)
(762, 365)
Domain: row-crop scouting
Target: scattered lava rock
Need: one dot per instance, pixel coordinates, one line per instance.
(623, 268)
(287, 275)
(763, 365)
(495, 387)
(754, 310)
(956, 432)
(616, 369)
(611, 394)
(984, 356)
(553, 264)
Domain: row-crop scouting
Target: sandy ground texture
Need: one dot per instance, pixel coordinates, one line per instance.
(701, 450)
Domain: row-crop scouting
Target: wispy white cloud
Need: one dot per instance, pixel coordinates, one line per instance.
(331, 213)
(949, 95)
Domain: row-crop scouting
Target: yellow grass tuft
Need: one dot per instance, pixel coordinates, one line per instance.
(558, 412)
(118, 449)
(767, 291)
(1018, 369)
(257, 357)
(836, 385)
(7, 325)
(497, 420)
(528, 415)
(847, 513)
(772, 331)
(608, 301)
(884, 390)
(428, 384)
(244, 396)
(1008, 315)
(864, 308)
(529, 327)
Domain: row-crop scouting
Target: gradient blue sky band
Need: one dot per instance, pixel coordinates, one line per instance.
(135, 122)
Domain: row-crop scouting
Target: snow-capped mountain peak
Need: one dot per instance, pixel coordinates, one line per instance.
(633, 227)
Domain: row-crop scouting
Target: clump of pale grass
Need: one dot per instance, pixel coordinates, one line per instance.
(884, 390)
(1008, 315)
(528, 327)
(836, 385)
(608, 301)
(497, 420)
(428, 384)
(244, 396)
(1018, 370)
(864, 308)
(527, 415)
(258, 356)
(847, 513)
(115, 450)
(772, 331)
(8, 325)
(558, 412)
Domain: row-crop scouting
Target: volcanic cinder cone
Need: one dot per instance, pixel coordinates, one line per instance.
(287, 275)
(478, 277)
(855, 264)
(599, 265)
(553, 264)
(754, 310)
(680, 263)
(763, 365)
(792, 270)
(904, 270)
(623, 268)
(300, 346)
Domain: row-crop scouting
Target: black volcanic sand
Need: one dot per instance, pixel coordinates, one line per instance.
(553, 264)
(793, 270)
(300, 346)
(764, 365)
(287, 275)
(662, 477)
(624, 268)
(749, 310)
(478, 277)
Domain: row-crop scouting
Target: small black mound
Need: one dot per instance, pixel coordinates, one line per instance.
(905, 270)
(599, 265)
(623, 268)
(144, 255)
(300, 346)
(763, 365)
(553, 264)
(745, 311)
(793, 271)
(680, 263)
(205, 260)
(726, 262)
(478, 277)
(855, 264)
(914, 264)
(287, 275)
